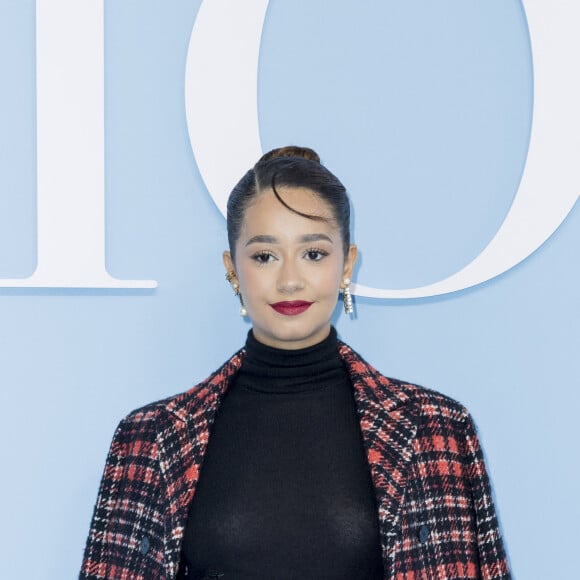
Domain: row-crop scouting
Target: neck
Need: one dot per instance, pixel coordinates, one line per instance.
(270, 369)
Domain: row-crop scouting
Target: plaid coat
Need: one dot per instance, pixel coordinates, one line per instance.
(436, 516)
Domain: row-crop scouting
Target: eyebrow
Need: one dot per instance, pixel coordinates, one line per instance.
(262, 239)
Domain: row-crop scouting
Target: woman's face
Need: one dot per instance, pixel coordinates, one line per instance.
(290, 268)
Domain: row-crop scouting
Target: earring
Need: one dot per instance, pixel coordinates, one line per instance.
(347, 297)
(231, 278)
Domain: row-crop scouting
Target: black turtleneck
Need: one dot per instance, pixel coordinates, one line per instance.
(285, 489)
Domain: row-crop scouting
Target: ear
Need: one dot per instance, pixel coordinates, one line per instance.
(228, 262)
(349, 262)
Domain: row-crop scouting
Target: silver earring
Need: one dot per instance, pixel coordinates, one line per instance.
(231, 278)
(347, 297)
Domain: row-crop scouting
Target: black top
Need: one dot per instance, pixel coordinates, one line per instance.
(285, 490)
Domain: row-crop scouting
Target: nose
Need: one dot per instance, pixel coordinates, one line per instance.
(290, 278)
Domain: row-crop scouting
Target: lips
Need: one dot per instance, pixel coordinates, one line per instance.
(291, 308)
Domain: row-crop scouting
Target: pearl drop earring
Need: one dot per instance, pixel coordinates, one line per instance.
(231, 278)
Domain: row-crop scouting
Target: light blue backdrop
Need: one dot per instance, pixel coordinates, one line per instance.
(424, 109)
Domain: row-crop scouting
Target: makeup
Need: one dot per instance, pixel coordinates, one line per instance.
(291, 308)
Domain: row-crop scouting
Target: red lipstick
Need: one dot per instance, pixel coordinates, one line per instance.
(291, 308)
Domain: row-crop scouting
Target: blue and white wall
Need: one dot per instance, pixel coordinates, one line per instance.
(455, 126)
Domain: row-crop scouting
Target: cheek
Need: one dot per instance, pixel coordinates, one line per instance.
(252, 282)
(330, 279)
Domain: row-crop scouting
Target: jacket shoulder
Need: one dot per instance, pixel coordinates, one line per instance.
(430, 402)
(196, 395)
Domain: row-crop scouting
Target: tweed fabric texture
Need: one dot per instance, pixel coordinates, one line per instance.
(435, 510)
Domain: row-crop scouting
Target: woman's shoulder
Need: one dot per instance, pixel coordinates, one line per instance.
(182, 404)
(429, 401)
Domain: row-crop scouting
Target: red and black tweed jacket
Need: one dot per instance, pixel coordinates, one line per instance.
(436, 516)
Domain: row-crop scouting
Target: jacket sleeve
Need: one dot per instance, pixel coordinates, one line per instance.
(126, 534)
(492, 557)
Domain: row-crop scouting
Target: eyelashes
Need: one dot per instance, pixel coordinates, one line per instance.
(311, 255)
(263, 257)
(315, 254)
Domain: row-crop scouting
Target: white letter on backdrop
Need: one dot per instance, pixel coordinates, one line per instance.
(224, 131)
(70, 149)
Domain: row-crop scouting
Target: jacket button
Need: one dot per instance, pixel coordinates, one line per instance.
(144, 545)
(423, 533)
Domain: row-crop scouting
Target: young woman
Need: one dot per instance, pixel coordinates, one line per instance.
(296, 459)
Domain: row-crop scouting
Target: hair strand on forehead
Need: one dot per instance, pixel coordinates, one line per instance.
(293, 167)
(290, 208)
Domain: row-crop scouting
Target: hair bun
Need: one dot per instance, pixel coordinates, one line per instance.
(290, 151)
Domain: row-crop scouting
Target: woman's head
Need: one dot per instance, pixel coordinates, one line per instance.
(290, 251)
(291, 166)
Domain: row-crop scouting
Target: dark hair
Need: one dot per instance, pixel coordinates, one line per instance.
(293, 167)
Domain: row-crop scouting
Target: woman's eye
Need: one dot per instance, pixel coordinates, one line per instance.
(315, 255)
(263, 257)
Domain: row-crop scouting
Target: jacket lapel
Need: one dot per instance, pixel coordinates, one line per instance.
(388, 420)
(182, 447)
